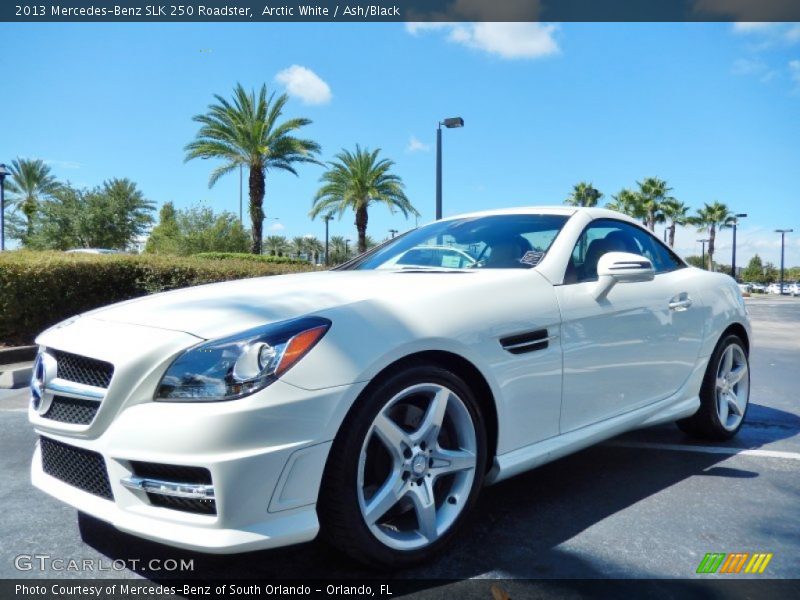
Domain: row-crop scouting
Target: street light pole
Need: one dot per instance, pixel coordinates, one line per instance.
(450, 123)
(3, 173)
(393, 232)
(347, 248)
(783, 233)
(703, 257)
(240, 195)
(327, 219)
(733, 257)
(439, 172)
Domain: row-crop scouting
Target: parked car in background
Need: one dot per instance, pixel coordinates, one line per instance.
(372, 402)
(758, 288)
(775, 288)
(93, 251)
(745, 288)
(794, 289)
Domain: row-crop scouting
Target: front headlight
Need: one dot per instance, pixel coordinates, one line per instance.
(241, 364)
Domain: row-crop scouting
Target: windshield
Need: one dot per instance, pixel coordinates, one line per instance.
(491, 242)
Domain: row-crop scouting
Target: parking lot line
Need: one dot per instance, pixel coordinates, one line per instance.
(707, 449)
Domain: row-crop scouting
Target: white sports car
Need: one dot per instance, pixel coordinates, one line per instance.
(372, 403)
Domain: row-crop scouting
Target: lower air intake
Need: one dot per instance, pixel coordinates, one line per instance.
(83, 469)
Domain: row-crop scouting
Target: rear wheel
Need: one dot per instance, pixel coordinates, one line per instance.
(724, 395)
(405, 468)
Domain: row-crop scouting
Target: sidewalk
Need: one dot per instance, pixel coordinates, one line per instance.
(16, 366)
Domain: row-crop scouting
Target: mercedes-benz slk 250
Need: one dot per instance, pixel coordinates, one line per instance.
(373, 401)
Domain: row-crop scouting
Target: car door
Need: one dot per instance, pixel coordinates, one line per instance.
(637, 345)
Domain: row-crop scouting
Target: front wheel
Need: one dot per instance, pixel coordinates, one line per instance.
(724, 395)
(405, 468)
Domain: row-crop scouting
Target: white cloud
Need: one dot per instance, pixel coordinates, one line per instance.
(769, 34)
(507, 40)
(304, 84)
(415, 145)
(422, 27)
(794, 73)
(749, 241)
(748, 66)
(277, 227)
(752, 27)
(754, 68)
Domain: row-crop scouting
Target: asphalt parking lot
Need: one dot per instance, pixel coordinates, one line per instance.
(649, 504)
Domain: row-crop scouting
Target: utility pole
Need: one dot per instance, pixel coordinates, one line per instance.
(703, 242)
(783, 233)
(327, 218)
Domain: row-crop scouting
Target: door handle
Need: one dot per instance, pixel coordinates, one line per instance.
(680, 302)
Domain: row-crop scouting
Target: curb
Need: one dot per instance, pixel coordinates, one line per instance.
(17, 354)
(16, 366)
(16, 377)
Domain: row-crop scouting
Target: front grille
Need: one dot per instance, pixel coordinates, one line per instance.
(82, 369)
(176, 474)
(72, 410)
(194, 505)
(83, 469)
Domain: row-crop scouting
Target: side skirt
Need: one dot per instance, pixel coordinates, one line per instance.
(529, 457)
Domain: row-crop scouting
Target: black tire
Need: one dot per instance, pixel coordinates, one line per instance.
(705, 423)
(341, 520)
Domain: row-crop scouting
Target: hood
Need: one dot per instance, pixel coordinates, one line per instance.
(219, 309)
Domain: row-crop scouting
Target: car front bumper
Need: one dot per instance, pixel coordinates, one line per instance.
(266, 455)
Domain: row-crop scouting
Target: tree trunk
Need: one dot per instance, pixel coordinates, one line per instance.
(672, 235)
(361, 227)
(256, 183)
(712, 233)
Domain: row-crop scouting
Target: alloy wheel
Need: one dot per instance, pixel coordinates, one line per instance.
(732, 387)
(417, 466)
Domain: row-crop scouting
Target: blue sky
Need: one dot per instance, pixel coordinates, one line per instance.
(712, 108)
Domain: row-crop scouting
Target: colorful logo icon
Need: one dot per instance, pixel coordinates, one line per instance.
(736, 562)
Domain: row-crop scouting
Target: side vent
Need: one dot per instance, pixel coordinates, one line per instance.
(526, 342)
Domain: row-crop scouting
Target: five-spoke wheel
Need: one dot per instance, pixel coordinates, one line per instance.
(724, 394)
(417, 466)
(732, 387)
(405, 468)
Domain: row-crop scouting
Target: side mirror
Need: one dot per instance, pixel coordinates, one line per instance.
(621, 267)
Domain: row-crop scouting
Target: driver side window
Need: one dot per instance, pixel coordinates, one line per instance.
(610, 235)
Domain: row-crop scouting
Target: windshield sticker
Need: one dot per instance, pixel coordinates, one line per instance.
(532, 258)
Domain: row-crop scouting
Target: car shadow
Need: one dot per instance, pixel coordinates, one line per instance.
(516, 531)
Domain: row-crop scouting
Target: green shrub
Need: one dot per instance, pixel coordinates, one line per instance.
(39, 289)
(260, 258)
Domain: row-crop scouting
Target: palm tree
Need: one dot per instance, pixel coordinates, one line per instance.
(627, 202)
(653, 193)
(247, 131)
(275, 245)
(31, 182)
(710, 218)
(677, 213)
(583, 194)
(314, 248)
(298, 246)
(354, 181)
(339, 249)
(371, 243)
